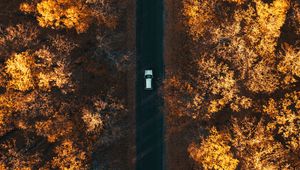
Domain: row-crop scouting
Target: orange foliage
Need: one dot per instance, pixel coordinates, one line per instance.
(214, 80)
(174, 90)
(285, 114)
(18, 68)
(263, 78)
(69, 14)
(2, 166)
(214, 152)
(296, 17)
(93, 121)
(60, 14)
(27, 8)
(54, 128)
(69, 156)
(26, 73)
(237, 65)
(37, 94)
(256, 147)
(262, 25)
(17, 159)
(199, 14)
(290, 63)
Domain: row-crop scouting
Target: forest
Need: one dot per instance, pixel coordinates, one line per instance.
(63, 85)
(232, 90)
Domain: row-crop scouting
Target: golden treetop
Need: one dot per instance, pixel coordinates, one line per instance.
(255, 145)
(27, 73)
(92, 120)
(285, 115)
(214, 152)
(263, 24)
(60, 14)
(290, 63)
(69, 156)
(56, 127)
(18, 68)
(199, 13)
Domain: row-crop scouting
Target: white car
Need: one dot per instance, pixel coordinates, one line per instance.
(148, 79)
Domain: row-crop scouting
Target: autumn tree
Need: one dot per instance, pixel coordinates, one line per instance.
(52, 128)
(243, 60)
(256, 147)
(206, 91)
(214, 152)
(18, 68)
(296, 17)
(27, 72)
(289, 64)
(69, 14)
(13, 38)
(285, 115)
(69, 156)
(53, 113)
(236, 65)
(14, 158)
(103, 119)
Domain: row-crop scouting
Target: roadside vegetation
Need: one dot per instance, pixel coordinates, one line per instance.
(63, 90)
(236, 99)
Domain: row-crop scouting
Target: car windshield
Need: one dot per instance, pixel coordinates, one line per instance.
(148, 76)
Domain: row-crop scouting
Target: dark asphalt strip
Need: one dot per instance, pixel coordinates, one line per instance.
(149, 118)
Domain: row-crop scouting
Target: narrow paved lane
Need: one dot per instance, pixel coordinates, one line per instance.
(149, 118)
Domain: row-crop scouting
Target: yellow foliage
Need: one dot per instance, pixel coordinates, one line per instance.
(296, 17)
(46, 74)
(256, 147)
(54, 128)
(199, 13)
(241, 103)
(61, 14)
(263, 78)
(272, 16)
(174, 90)
(23, 70)
(285, 115)
(290, 63)
(27, 8)
(69, 157)
(14, 158)
(218, 80)
(18, 68)
(263, 25)
(237, 1)
(214, 152)
(44, 81)
(14, 102)
(93, 121)
(1, 118)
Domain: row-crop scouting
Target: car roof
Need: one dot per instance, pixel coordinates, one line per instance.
(148, 83)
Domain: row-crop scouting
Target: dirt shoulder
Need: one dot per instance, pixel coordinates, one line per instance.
(175, 53)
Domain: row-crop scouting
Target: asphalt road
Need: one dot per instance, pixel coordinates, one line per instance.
(149, 118)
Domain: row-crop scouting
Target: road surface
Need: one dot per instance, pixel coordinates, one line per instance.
(149, 118)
